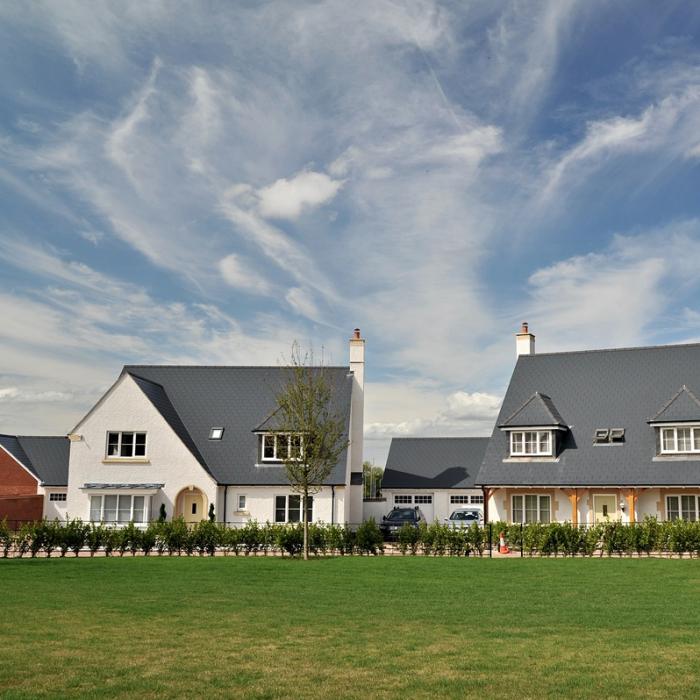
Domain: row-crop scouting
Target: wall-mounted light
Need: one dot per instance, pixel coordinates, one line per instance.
(622, 505)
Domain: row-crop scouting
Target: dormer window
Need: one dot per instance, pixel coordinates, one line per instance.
(278, 447)
(680, 440)
(531, 443)
(216, 434)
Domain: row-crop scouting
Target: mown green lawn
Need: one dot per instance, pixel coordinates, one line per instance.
(349, 628)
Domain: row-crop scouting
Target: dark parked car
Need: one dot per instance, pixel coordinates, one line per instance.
(398, 517)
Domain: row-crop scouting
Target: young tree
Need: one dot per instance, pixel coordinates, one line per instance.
(306, 412)
(371, 480)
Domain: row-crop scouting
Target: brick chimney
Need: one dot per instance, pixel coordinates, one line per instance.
(524, 341)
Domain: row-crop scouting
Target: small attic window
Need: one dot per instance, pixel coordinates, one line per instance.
(216, 433)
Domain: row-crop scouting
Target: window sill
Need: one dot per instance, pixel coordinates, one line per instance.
(126, 460)
(677, 457)
(532, 458)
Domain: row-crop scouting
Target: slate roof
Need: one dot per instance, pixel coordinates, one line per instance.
(538, 410)
(684, 406)
(594, 389)
(194, 399)
(45, 456)
(427, 462)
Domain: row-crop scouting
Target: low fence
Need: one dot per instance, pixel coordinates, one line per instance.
(47, 538)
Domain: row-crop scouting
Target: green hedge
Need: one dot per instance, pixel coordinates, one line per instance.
(58, 538)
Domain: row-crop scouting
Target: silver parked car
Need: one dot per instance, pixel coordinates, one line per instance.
(465, 517)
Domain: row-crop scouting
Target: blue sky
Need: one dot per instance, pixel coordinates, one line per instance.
(206, 182)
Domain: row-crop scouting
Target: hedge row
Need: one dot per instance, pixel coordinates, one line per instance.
(609, 538)
(176, 537)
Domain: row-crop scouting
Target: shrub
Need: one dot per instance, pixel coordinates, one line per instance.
(175, 535)
(349, 540)
(251, 537)
(409, 539)
(149, 538)
(458, 541)
(290, 539)
(229, 538)
(369, 538)
(334, 539)
(73, 536)
(205, 537)
(6, 538)
(95, 537)
(426, 537)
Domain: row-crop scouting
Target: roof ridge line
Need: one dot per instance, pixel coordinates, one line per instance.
(622, 349)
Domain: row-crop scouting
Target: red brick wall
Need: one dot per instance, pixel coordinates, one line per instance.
(15, 480)
(19, 508)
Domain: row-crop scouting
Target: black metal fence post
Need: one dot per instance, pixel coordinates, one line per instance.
(490, 542)
(522, 532)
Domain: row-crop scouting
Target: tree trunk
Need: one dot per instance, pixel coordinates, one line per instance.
(304, 502)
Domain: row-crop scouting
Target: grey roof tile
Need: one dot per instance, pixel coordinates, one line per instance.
(684, 406)
(538, 410)
(598, 389)
(238, 399)
(429, 462)
(46, 456)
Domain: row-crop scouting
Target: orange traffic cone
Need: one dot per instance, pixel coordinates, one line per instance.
(502, 547)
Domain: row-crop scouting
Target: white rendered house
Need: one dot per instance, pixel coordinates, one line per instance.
(189, 437)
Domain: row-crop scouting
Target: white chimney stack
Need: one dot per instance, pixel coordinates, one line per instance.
(353, 513)
(357, 357)
(524, 341)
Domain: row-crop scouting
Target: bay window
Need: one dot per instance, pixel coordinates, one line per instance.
(531, 508)
(119, 508)
(530, 443)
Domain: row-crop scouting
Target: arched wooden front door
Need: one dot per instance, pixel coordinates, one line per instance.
(191, 505)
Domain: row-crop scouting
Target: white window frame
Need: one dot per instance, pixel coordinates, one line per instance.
(520, 451)
(239, 507)
(423, 499)
(539, 497)
(286, 497)
(459, 500)
(674, 430)
(58, 497)
(146, 508)
(403, 499)
(119, 456)
(679, 510)
(277, 437)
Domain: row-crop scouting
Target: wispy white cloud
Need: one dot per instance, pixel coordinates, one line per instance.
(239, 273)
(625, 294)
(667, 127)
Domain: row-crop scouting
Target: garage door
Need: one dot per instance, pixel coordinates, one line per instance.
(426, 505)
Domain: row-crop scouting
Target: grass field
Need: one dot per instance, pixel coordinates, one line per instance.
(349, 628)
